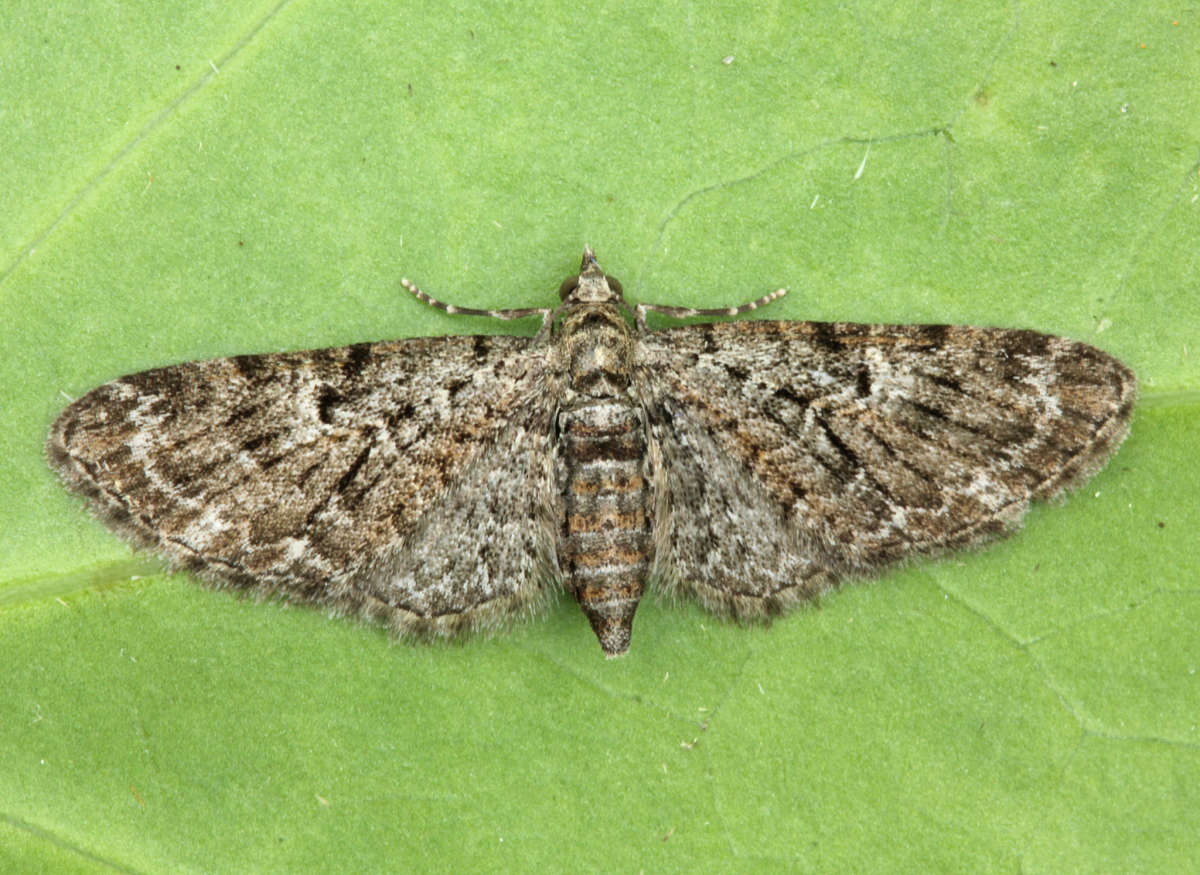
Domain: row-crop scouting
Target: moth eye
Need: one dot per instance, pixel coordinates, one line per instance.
(569, 285)
(615, 285)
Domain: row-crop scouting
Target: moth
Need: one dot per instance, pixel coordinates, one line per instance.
(442, 485)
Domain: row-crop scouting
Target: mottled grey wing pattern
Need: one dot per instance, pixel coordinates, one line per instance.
(286, 472)
(486, 552)
(796, 453)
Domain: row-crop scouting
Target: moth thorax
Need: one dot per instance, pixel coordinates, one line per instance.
(598, 346)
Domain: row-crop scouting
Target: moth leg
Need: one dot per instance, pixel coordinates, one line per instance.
(523, 313)
(688, 312)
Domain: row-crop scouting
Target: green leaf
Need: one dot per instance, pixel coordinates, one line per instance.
(206, 180)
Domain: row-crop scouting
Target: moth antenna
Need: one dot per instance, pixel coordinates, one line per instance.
(521, 313)
(689, 312)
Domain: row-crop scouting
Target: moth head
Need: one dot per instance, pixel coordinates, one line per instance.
(591, 285)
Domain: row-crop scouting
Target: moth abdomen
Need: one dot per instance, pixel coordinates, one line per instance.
(605, 549)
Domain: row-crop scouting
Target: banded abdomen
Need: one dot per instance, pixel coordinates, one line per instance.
(605, 552)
